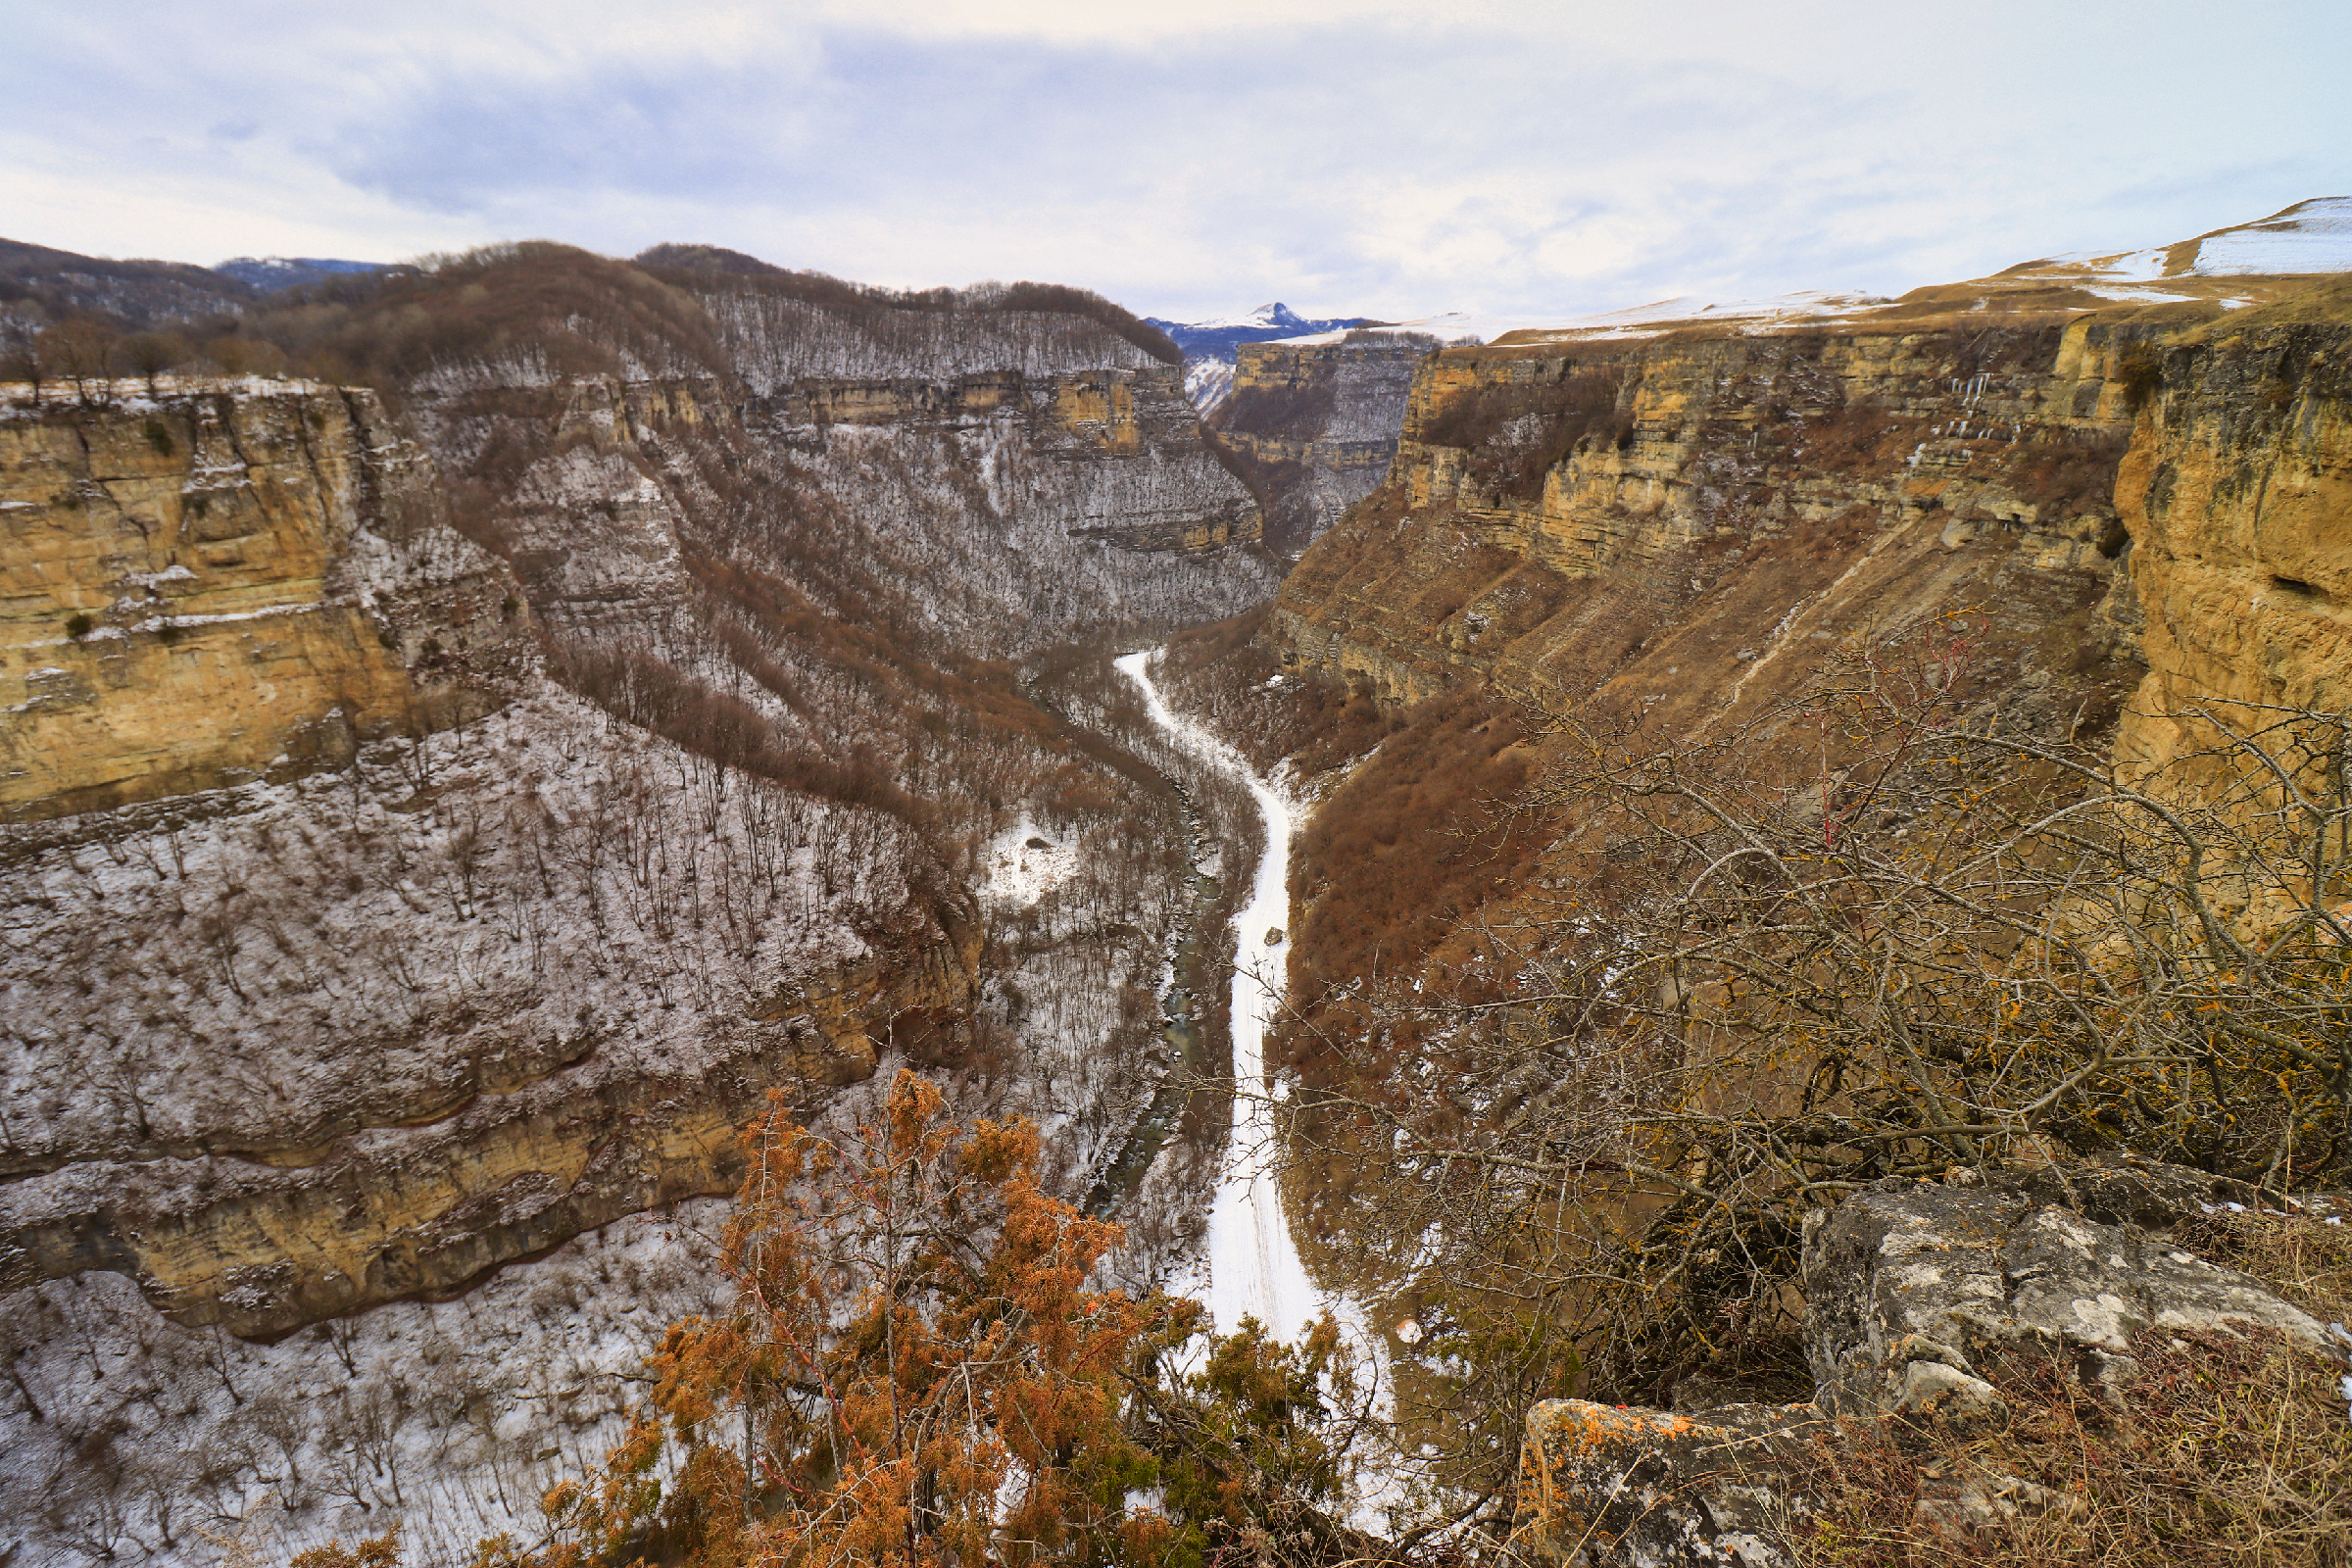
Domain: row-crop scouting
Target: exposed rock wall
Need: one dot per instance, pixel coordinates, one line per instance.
(2237, 492)
(352, 958)
(1660, 523)
(370, 952)
(222, 585)
(1109, 454)
(1314, 426)
(327, 940)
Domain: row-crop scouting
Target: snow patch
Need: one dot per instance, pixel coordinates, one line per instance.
(1026, 862)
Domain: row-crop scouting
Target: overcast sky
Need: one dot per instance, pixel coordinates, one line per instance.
(1187, 159)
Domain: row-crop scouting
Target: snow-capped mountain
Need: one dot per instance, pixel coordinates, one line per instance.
(1216, 339)
(270, 274)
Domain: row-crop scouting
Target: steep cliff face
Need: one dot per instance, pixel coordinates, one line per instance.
(1670, 523)
(1114, 455)
(329, 935)
(1313, 425)
(354, 955)
(1685, 523)
(2237, 492)
(467, 803)
(223, 586)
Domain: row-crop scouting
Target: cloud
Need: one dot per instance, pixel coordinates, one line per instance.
(1542, 158)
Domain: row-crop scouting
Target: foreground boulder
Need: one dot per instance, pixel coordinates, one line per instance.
(1910, 1284)
(1910, 1288)
(1611, 1484)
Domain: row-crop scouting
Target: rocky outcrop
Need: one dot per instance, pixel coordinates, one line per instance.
(1912, 1288)
(356, 951)
(1679, 524)
(1313, 425)
(225, 584)
(2237, 493)
(1118, 453)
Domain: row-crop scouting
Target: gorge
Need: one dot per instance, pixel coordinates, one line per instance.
(458, 773)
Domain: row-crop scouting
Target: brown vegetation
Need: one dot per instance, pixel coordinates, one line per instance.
(1587, 1140)
(2219, 1449)
(915, 1372)
(1519, 431)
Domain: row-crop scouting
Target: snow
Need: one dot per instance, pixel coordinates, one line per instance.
(2133, 296)
(1658, 316)
(1016, 871)
(2314, 236)
(1207, 383)
(1276, 313)
(1448, 327)
(452, 1417)
(1253, 1265)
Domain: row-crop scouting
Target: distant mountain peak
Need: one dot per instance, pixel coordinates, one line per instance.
(1216, 339)
(270, 274)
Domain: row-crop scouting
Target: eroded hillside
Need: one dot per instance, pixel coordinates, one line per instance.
(447, 805)
(1669, 528)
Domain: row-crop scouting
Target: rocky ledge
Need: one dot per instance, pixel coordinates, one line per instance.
(1912, 1288)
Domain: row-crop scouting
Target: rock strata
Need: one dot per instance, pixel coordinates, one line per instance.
(1910, 1287)
(1314, 427)
(227, 583)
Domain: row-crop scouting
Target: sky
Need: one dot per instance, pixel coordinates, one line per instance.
(1524, 161)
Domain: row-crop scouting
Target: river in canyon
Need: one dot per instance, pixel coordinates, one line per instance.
(1254, 1265)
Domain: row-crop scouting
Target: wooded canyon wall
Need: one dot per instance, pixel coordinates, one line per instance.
(445, 813)
(1313, 425)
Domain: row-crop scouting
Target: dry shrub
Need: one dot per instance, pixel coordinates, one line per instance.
(1412, 843)
(2064, 478)
(641, 688)
(2223, 1448)
(1518, 431)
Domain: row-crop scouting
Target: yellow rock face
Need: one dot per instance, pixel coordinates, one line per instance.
(1101, 407)
(1688, 523)
(2238, 494)
(220, 586)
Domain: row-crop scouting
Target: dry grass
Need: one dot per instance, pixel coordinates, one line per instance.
(2221, 1449)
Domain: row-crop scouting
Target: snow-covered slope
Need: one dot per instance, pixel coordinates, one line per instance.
(2309, 238)
(2314, 236)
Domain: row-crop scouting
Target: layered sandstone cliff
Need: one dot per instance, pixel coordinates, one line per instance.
(1681, 524)
(1109, 454)
(225, 584)
(327, 948)
(2237, 492)
(1678, 513)
(438, 819)
(1313, 425)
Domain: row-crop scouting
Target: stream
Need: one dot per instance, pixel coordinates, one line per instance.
(1254, 1265)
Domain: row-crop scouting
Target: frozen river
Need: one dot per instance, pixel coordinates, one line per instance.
(1253, 1266)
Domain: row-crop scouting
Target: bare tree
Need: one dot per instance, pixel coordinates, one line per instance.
(80, 348)
(148, 355)
(1937, 943)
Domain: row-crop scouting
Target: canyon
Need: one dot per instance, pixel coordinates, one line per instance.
(446, 792)
(442, 811)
